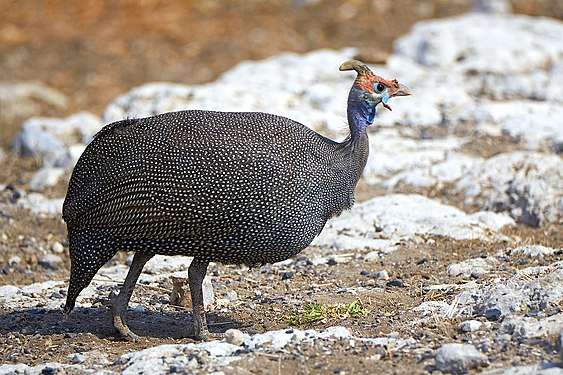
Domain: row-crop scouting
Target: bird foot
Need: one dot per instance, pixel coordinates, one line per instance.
(204, 334)
(123, 330)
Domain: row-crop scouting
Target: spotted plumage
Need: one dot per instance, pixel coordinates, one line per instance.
(242, 188)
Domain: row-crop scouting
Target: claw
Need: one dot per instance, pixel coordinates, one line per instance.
(123, 330)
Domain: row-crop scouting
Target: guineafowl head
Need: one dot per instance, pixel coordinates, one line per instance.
(367, 92)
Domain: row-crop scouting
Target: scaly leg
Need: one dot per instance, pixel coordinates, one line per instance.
(196, 274)
(119, 304)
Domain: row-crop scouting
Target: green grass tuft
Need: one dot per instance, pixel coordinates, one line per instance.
(319, 312)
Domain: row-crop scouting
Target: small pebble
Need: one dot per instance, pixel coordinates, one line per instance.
(139, 308)
(77, 358)
(287, 275)
(52, 258)
(477, 274)
(395, 283)
(470, 325)
(231, 296)
(459, 358)
(57, 247)
(493, 314)
(382, 275)
(371, 256)
(15, 260)
(503, 337)
(48, 371)
(235, 337)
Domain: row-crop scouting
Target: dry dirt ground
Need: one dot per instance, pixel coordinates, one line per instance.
(95, 50)
(265, 301)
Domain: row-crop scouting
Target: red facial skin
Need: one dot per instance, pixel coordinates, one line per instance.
(368, 80)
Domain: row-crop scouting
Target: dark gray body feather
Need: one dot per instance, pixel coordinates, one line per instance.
(229, 187)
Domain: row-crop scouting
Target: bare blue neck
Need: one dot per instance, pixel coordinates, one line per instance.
(361, 113)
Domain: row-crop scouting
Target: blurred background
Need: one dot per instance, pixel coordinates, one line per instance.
(94, 50)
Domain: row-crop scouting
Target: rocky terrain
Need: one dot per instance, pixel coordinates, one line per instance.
(451, 261)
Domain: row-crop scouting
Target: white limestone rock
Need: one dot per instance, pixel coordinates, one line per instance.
(160, 358)
(407, 216)
(527, 327)
(393, 156)
(48, 137)
(31, 295)
(541, 368)
(535, 85)
(448, 170)
(39, 204)
(470, 325)
(469, 43)
(535, 125)
(45, 177)
(535, 288)
(68, 157)
(235, 336)
(476, 267)
(43, 368)
(459, 358)
(527, 185)
(533, 251)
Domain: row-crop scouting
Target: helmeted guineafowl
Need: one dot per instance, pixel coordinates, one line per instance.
(239, 188)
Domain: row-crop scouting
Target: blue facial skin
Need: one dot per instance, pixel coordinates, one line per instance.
(371, 113)
(362, 109)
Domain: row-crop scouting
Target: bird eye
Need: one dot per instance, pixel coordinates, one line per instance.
(380, 87)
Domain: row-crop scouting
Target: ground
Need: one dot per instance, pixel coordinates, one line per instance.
(93, 51)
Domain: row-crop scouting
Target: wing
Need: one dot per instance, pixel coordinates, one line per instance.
(141, 178)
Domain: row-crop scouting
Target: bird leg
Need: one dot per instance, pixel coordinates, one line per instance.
(196, 274)
(120, 302)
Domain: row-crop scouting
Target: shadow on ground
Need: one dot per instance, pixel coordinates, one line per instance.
(97, 321)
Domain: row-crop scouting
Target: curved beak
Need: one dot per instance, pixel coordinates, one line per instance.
(400, 90)
(396, 89)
